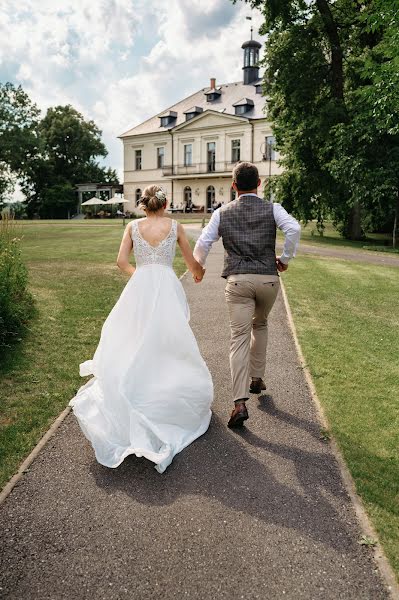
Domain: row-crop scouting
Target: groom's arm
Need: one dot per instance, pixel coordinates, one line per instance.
(292, 233)
(209, 235)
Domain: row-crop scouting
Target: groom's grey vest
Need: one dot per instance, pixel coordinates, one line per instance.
(248, 230)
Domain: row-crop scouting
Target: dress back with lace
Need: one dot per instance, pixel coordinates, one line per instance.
(162, 254)
(121, 409)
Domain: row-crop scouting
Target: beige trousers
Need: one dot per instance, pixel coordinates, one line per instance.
(249, 300)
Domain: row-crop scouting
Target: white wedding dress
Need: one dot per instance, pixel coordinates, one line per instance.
(151, 392)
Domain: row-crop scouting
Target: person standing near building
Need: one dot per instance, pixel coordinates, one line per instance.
(247, 227)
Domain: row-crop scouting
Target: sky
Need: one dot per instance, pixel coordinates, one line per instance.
(120, 62)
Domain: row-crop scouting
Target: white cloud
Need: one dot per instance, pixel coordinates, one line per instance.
(120, 62)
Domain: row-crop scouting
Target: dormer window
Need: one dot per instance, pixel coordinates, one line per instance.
(193, 112)
(168, 118)
(213, 93)
(243, 106)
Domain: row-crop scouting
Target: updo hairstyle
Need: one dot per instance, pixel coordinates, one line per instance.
(153, 198)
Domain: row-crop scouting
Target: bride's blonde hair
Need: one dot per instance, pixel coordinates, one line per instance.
(153, 198)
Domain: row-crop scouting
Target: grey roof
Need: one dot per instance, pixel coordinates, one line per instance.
(244, 102)
(194, 109)
(231, 93)
(251, 44)
(169, 113)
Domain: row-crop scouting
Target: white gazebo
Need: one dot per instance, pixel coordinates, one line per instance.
(97, 189)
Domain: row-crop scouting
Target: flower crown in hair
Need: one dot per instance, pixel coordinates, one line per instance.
(160, 194)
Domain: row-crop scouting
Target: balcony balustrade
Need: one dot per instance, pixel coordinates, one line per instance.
(198, 168)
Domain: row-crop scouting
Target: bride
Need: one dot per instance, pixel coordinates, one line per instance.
(151, 391)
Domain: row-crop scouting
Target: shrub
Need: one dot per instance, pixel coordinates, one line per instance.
(16, 303)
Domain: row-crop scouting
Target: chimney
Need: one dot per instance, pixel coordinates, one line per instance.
(213, 83)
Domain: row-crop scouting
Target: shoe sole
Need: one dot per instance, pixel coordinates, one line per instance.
(256, 390)
(239, 422)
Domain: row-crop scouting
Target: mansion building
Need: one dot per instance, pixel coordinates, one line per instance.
(191, 148)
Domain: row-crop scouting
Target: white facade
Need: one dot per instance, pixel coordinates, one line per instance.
(191, 148)
(177, 173)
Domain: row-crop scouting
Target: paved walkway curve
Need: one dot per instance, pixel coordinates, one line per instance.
(258, 514)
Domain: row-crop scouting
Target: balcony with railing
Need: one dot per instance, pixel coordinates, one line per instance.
(208, 168)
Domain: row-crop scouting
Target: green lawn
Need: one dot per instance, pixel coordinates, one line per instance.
(97, 222)
(75, 282)
(380, 242)
(347, 319)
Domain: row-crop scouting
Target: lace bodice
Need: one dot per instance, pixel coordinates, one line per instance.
(162, 254)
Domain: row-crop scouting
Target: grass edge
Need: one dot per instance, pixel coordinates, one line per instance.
(386, 570)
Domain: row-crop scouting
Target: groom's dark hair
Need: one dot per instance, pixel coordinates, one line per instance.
(245, 176)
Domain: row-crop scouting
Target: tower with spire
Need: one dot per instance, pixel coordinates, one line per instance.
(251, 60)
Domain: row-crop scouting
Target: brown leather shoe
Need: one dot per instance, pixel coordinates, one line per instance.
(238, 416)
(257, 385)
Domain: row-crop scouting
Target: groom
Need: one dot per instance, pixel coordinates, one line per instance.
(247, 227)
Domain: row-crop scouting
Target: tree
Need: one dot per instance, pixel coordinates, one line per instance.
(48, 156)
(69, 147)
(366, 153)
(19, 119)
(381, 93)
(331, 82)
(17, 210)
(71, 142)
(6, 183)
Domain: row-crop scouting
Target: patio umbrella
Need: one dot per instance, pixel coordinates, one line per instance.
(93, 201)
(115, 200)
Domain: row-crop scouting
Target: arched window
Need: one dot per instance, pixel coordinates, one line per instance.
(187, 198)
(210, 197)
(138, 196)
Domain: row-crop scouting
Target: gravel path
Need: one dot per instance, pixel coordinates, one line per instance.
(257, 514)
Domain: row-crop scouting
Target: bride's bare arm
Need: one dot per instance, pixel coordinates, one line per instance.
(124, 252)
(192, 265)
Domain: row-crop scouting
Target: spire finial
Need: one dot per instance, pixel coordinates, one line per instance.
(252, 29)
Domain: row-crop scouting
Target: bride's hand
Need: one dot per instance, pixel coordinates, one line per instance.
(198, 276)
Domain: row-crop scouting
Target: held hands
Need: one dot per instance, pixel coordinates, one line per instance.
(280, 265)
(198, 273)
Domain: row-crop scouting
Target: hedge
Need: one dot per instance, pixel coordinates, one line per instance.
(16, 302)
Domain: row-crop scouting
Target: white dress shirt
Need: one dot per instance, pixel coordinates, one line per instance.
(288, 225)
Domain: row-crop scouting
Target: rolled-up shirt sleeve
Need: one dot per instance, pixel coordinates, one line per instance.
(291, 229)
(209, 235)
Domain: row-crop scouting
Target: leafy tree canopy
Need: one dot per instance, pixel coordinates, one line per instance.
(19, 119)
(331, 82)
(48, 156)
